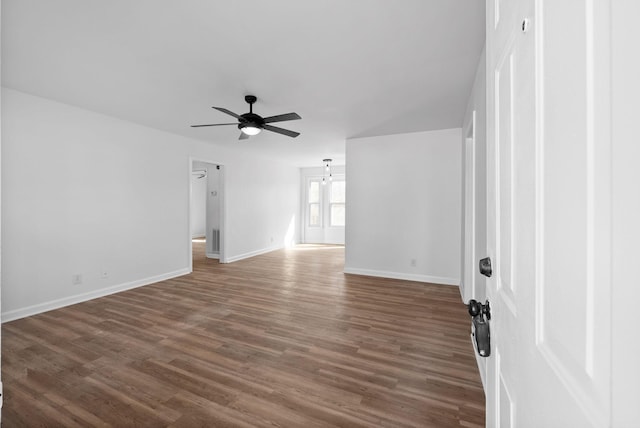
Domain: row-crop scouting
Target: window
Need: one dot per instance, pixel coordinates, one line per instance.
(336, 203)
(314, 203)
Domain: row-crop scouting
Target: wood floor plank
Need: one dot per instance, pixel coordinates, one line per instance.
(282, 339)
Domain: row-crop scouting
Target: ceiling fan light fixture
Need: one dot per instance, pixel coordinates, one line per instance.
(250, 130)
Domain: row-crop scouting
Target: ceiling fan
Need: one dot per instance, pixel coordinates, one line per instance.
(251, 123)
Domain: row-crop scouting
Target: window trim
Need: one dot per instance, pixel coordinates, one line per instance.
(319, 203)
(331, 204)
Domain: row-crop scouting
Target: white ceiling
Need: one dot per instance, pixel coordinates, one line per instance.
(350, 68)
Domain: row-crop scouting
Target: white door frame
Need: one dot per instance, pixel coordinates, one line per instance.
(221, 196)
(468, 254)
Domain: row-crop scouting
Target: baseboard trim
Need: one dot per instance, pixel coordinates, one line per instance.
(213, 255)
(79, 298)
(405, 276)
(251, 254)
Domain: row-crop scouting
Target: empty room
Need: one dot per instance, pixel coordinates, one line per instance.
(361, 213)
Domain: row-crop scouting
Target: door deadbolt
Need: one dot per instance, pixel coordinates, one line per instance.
(485, 267)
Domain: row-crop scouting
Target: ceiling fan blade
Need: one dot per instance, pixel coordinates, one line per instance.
(213, 124)
(230, 113)
(281, 131)
(243, 136)
(282, 117)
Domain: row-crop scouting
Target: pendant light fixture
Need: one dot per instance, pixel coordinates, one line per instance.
(327, 171)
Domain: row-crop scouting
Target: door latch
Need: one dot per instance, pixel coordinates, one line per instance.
(481, 315)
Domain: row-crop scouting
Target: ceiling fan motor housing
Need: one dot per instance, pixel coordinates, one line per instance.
(250, 119)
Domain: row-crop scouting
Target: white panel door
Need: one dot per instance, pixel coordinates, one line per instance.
(548, 213)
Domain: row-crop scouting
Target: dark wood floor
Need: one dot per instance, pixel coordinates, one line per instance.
(283, 339)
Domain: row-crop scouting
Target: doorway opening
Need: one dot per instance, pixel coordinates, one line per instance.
(324, 209)
(206, 208)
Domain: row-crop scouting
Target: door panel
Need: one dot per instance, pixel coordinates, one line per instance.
(573, 319)
(548, 213)
(504, 156)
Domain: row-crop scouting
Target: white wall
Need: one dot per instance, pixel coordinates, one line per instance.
(84, 193)
(403, 203)
(254, 192)
(478, 103)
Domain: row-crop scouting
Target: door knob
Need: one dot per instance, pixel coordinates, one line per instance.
(485, 267)
(476, 308)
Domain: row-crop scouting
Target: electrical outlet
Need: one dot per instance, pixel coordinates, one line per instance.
(76, 279)
(413, 262)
